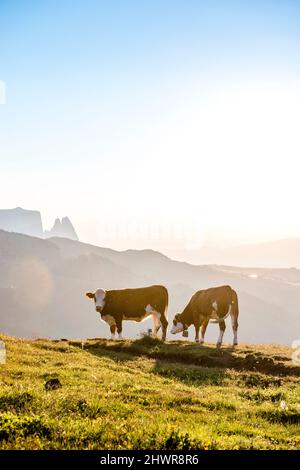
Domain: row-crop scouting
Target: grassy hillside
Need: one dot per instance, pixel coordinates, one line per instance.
(145, 394)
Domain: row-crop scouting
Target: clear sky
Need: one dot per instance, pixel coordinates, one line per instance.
(153, 123)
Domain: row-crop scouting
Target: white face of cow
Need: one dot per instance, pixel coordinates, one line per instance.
(99, 298)
(177, 326)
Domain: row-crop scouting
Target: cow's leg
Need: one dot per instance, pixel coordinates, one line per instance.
(164, 323)
(234, 322)
(203, 330)
(113, 331)
(197, 328)
(222, 330)
(234, 313)
(157, 322)
(119, 328)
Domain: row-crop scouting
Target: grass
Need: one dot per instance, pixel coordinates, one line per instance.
(146, 394)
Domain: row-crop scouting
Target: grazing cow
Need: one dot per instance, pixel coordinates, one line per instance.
(115, 306)
(214, 304)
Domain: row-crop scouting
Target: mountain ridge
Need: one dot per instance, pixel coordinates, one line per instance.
(43, 283)
(282, 253)
(29, 222)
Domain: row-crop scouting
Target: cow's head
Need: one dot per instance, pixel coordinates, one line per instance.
(178, 325)
(99, 298)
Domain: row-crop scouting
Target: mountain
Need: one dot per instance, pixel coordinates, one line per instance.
(275, 254)
(21, 221)
(43, 282)
(29, 222)
(62, 228)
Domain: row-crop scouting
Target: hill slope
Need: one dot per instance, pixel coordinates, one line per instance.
(42, 286)
(144, 394)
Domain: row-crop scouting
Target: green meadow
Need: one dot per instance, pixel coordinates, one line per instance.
(146, 394)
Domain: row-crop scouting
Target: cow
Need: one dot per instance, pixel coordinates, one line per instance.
(115, 306)
(215, 304)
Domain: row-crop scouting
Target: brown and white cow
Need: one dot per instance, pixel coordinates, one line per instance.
(216, 304)
(115, 306)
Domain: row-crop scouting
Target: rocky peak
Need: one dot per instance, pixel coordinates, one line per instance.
(21, 221)
(29, 222)
(62, 228)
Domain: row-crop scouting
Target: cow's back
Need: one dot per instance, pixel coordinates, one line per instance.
(128, 301)
(203, 299)
(220, 295)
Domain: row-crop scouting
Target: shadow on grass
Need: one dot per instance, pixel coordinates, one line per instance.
(168, 363)
(190, 354)
(189, 374)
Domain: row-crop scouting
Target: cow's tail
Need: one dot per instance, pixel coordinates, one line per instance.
(234, 304)
(166, 304)
(164, 317)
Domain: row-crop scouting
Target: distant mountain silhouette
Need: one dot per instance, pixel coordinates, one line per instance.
(21, 221)
(63, 228)
(29, 222)
(43, 282)
(275, 254)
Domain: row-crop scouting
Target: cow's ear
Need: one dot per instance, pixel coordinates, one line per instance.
(90, 295)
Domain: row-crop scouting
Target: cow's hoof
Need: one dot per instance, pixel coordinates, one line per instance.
(218, 345)
(201, 343)
(197, 341)
(235, 344)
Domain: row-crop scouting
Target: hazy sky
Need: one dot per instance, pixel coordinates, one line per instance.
(153, 123)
